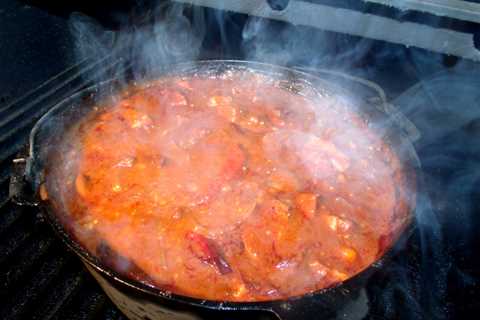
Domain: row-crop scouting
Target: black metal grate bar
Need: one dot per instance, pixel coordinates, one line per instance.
(10, 214)
(23, 264)
(15, 127)
(57, 299)
(5, 171)
(13, 238)
(18, 305)
(86, 303)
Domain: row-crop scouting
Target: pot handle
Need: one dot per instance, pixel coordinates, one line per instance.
(20, 190)
(403, 122)
(379, 100)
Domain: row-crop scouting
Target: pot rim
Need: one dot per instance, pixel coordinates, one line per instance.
(267, 305)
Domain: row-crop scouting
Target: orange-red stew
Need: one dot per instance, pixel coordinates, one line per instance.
(233, 188)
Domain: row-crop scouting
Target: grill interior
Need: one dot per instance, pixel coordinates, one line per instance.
(41, 279)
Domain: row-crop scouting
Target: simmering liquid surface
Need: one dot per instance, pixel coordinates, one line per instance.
(231, 188)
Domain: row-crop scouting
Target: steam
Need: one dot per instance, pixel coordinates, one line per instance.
(162, 37)
(267, 41)
(444, 106)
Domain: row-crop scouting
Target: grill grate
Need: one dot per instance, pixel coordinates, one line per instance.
(39, 277)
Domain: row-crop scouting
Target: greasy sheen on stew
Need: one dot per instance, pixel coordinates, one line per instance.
(231, 188)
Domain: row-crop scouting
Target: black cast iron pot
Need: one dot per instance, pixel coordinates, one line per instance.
(140, 301)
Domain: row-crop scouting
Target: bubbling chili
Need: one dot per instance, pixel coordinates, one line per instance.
(231, 187)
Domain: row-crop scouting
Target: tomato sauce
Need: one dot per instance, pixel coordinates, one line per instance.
(232, 188)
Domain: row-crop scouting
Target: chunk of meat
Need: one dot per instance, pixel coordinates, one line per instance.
(283, 181)
(205, 250)
(233, 162)
(187, 132)
(228, 112)
(337, 224)
(231, 206)
(203, 170)
(82, 185)
(307, 204)
(258, 245)
(43, 193)
(219, 101)
(279, 238)
(284, 112)
(175, 98)
(319, 270)
(348, 254)
(250, 119)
